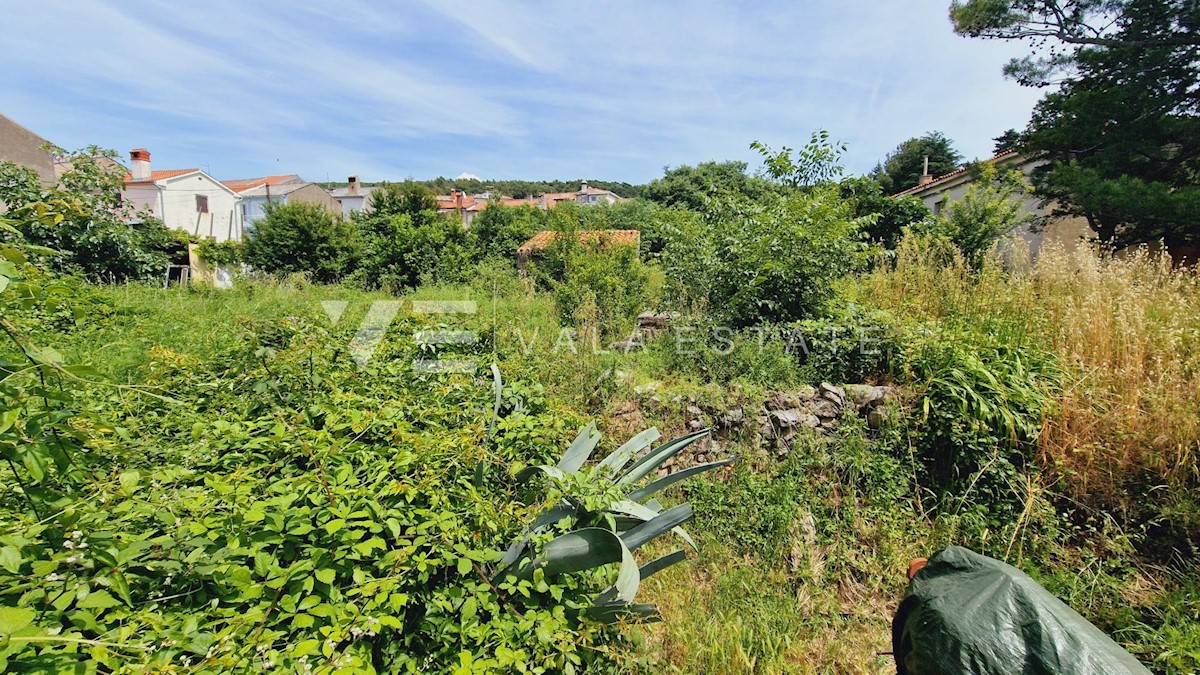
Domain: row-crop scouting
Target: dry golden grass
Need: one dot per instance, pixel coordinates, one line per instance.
(1127, 331)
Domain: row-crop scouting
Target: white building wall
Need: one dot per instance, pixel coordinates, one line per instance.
(222, 222)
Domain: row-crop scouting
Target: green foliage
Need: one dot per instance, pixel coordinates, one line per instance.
(598, 518)
(593, 282)
(300, 238)
(768, 260)
(891, 215)
(993, 207)
(903, 167)
(1120, 132)
(515, 188)
(816, 162)
(690, 187)
(986, 395)
(83, 218)
(222, 254)
(697, 347)
(1056, 26)
(498, 231)
(845, 344)
(298, 513)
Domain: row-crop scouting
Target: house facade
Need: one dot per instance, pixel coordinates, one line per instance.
(183, 199)
(938, 192)
(257, 193)
(25, 148)
(354, 197)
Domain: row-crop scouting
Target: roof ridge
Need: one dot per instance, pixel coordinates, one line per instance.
(960, 170)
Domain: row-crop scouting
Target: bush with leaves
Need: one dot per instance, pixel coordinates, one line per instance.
(82, 217)
(892, 215)
(776, 258)
(597, 281)
(992, 208)
(301, 238)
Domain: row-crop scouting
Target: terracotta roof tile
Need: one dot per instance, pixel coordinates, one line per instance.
(160, 175)
(243, 184)
(957, 172)
(544, 238)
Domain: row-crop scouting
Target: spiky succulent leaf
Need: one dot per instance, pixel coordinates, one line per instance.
(666, 521)
(587, 549)
(616, 461)
(646, 513)
(670, 479)
(580, 450)
(617, 612)
(651, 460)
(644, 572)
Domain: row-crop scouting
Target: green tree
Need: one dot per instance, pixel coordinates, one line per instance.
(498, 231)
(408, 197)
(993, 207)
(95, 234)
(301, 238)
(1120, 137)
(1057, 27)
(903, 167)
(772, 258)
(690, 186)
(892, 215)
(1009, 140)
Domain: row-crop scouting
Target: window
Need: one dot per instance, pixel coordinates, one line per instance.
(201, 203)
(937, 208)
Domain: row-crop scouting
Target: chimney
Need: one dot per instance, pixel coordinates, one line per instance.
(583, 188)
(926, 178)
(352, 185)
(458, 199)
(139, 164)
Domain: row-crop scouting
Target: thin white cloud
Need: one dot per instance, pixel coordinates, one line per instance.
(600, 89)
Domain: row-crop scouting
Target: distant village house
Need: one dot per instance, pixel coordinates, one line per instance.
(257, 193)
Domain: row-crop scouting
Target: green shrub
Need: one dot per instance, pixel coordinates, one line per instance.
(774, 258)
(301, 238)
(993, 207)
(847, 344)
(595, 282)
(985, 399)
(82, 218)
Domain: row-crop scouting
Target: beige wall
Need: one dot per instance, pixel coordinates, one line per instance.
(21, 146)
(315, 194)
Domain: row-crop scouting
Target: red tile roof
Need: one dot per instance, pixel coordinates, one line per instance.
(159, 175)
(609, 237)
(243, 184)
(957, 172)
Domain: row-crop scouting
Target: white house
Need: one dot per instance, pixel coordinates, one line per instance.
(257, 193)
(354, 197)
(938, 192)
(184, 199)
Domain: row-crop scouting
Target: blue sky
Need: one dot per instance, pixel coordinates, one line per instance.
(537, 90)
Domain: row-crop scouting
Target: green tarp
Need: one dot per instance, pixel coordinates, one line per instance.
(967, 613)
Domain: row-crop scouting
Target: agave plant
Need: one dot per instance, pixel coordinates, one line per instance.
(629, 518)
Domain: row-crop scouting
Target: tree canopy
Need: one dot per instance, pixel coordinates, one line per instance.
(903, 167)
(689, 186)
(1120, 137)
(1056, 27)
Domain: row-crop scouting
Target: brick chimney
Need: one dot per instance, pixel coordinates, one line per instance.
(139, 164)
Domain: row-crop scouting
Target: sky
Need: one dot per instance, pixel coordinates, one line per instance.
(613, 90)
